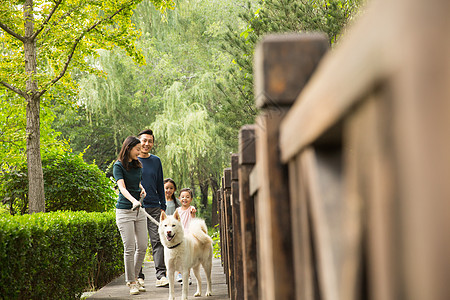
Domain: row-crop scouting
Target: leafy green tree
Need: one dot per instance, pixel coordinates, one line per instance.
(43, 40)
(273, 16)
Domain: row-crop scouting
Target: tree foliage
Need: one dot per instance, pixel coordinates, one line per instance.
(65, 32)
(13, 135)
(188, 145)
(275, 16)
(196, 89)
(184, 62)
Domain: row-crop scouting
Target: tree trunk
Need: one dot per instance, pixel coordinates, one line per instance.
(36, 198)
(204, 191)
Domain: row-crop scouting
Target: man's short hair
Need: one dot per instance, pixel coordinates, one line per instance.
(146, 131)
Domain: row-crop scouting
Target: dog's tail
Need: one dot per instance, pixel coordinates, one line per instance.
(198, 229)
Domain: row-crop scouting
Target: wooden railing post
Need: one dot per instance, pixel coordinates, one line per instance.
(283, 65)
(223, 226)
(238, 288)
(220, 219)
(247, 159)
(228, 230)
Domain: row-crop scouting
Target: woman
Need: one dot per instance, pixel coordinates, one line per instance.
(127, 171)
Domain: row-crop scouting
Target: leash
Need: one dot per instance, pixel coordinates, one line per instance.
(149, 217)
(140, 208)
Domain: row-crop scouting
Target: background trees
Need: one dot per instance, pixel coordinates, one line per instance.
(196, 89)
(175, 93)
(42, 40)
(186, 73)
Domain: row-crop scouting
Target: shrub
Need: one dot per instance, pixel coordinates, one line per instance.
(58, 255)
(69, 183)
(215, 235)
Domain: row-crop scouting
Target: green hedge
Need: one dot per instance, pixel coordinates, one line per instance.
(58, 255)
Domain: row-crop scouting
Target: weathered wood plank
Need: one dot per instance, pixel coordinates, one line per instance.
(282, 69)
(229, 230)
(254, 183)
(279, 62)
(247, 153)
(371, 194)
(247, 159)
(238, 285)
(302, 241)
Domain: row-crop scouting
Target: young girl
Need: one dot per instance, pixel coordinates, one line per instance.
(172, 203)
(127, 171)
(187, 213)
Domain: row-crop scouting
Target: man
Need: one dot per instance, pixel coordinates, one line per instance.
(154, 202)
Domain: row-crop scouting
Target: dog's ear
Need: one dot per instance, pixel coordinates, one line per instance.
(177, 216)
(163, 216)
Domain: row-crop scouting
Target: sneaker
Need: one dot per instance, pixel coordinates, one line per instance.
(179, 277)
(141, 286)
(134, 289)
(141, 282)
(163, 281)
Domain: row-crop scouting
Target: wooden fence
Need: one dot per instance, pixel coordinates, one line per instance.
(341, 188)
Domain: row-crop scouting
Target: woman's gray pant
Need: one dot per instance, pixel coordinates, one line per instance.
(133, 229)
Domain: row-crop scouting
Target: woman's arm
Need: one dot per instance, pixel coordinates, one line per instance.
(126, 193)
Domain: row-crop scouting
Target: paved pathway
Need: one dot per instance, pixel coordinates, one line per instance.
(117, 289)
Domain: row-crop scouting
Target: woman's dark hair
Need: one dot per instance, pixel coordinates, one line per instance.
(187, 190)
(124, 154)
(173, 195)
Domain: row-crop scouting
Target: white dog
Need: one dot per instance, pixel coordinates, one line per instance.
(185, 251)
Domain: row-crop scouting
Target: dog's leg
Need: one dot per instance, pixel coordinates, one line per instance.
(207, 266)
(171, 277)
(196, 270)
(185, 288)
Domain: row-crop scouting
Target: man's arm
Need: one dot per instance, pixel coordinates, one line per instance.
(160, 187)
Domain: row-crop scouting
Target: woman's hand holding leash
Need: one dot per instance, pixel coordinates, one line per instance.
(140, 203)
(136, 204)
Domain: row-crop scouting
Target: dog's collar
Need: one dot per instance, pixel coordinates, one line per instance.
(175, 245)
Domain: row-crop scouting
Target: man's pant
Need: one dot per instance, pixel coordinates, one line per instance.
(157, 247)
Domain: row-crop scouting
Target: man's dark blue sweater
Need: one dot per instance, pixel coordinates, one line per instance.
(153, 182)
